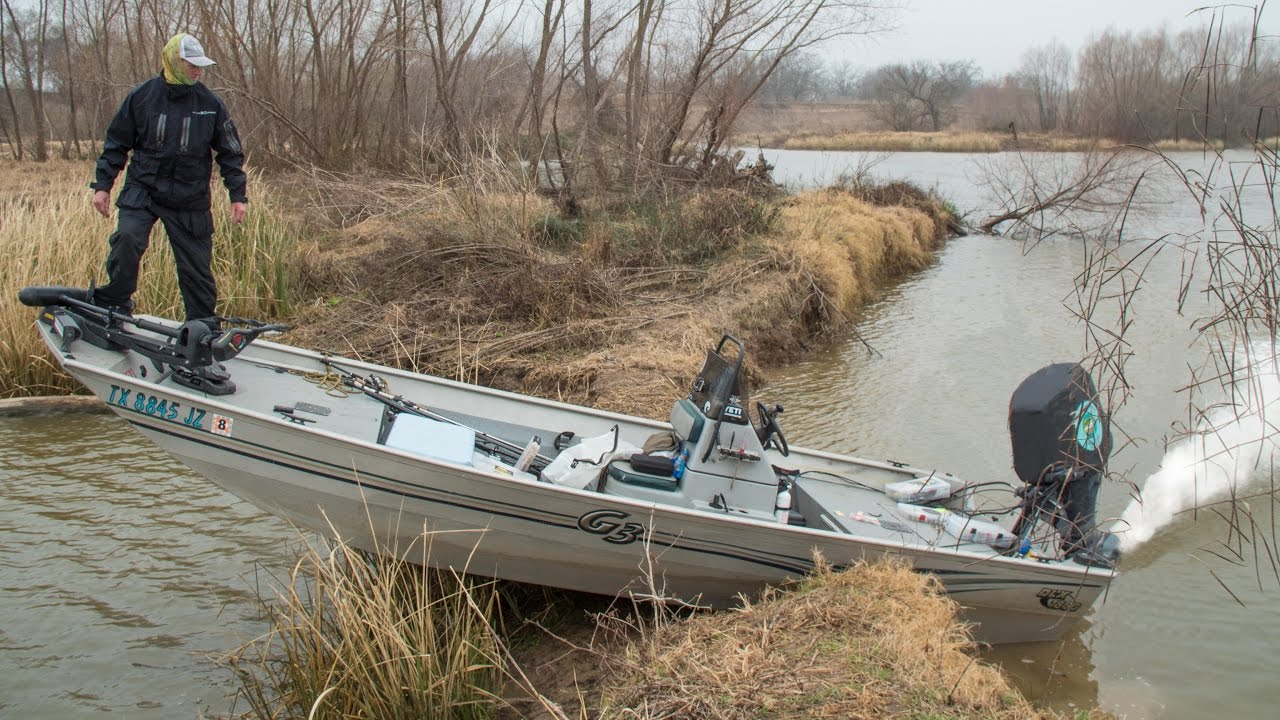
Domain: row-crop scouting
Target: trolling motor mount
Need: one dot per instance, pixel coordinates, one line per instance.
(193, 352)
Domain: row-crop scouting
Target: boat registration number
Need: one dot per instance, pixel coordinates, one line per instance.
(164, 409)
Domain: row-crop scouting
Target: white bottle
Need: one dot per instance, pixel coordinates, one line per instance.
(530, 451)
(783, 509)
(918, 490)
(919, 513)
(972, 530)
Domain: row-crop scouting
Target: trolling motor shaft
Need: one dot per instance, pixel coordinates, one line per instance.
(193, 351)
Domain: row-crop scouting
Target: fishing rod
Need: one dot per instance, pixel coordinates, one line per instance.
(376, 387)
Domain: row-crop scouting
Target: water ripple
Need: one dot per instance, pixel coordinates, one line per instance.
(122, 571)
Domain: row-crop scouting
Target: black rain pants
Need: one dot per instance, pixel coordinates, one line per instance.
(191, 237)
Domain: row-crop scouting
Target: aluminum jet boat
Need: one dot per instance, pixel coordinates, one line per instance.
(707, 506)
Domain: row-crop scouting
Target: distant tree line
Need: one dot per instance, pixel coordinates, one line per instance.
(1125, 86)
(622, 90)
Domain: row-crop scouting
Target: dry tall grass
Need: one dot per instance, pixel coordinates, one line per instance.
(875, 641)
(611, 306)
(373, 636)
(50, 235)
(849, 247)
(968, 142)
(898, 142)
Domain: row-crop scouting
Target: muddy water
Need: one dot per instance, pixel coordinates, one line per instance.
(947, 348)
(121, 574)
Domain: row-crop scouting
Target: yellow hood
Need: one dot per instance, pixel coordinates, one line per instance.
(174, 71)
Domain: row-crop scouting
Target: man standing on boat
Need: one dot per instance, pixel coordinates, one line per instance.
(170, 128)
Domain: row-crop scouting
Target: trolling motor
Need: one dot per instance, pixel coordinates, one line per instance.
(1061, 440)
(192, 352)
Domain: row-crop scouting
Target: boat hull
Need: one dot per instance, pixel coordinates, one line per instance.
(382, 499)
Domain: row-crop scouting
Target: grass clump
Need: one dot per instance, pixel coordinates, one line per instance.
(51, 235)
(847, 246)
(691, 229)
(374, 636)
(876, 640)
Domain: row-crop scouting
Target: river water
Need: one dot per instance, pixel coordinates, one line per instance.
(948, 347)
(124, 574)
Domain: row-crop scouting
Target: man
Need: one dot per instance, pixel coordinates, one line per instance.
(174, 127)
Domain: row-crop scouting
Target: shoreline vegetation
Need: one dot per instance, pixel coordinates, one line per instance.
(610, 303)
(969, 142)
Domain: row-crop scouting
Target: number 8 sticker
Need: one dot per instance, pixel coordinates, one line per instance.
(221, 425)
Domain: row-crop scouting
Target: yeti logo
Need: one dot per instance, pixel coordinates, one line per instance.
(1088, 425)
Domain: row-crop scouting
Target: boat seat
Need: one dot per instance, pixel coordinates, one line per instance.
(623, 472)
(687, 421)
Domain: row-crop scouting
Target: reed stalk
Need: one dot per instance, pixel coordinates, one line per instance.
(354, 634)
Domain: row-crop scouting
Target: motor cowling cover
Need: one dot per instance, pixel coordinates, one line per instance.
(1061, 441)
(1055, 417)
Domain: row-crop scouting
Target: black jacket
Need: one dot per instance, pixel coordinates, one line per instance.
(173, 132)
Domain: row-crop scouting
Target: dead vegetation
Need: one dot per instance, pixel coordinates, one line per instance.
(874, 641)
(612, 307)
(357, 634)
(871, 641)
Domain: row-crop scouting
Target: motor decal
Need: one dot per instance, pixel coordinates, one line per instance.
(1088, 425)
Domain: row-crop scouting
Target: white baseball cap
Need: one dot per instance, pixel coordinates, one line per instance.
(191, 51)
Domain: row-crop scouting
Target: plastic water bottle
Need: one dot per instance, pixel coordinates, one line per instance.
(922, 514)
(782, 512)
(677, 471)
(530, 451)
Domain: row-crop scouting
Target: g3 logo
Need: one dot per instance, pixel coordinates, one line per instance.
(609, 525)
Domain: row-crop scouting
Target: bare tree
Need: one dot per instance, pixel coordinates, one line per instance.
(1046, 72)
(1043, 193)
(29, 32)
(906, 94)
(15, 140)
(800, 78)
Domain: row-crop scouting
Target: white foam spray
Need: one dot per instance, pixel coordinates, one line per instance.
(1235, 445)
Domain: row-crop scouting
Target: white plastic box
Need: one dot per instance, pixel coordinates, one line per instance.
(918, 490)
(435, 439)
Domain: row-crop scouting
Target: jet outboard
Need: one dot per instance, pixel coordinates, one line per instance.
(1061, 441)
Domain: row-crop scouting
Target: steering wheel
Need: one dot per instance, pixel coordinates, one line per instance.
(769, 430)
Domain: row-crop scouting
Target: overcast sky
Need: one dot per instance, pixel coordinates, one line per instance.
(995, 33)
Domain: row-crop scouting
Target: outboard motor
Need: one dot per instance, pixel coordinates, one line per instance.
(1061, 440)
